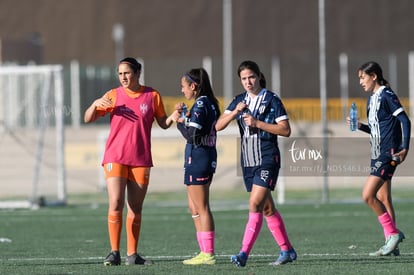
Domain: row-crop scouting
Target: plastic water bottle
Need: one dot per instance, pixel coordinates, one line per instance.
(184, 111)
(270, 118)
(248, 112)
(353, 115)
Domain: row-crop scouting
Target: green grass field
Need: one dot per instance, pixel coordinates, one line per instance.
(330, 238)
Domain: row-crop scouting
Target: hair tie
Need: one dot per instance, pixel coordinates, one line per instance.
(190, 78)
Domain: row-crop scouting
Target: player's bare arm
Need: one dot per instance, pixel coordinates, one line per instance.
(226, 118)
(282, 128)
(102, 103)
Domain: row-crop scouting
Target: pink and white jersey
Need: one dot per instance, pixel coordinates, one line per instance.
(129, 141)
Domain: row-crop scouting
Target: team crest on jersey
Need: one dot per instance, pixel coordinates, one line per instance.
(262, 108)
(144, 108)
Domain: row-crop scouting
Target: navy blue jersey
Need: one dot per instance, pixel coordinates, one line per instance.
(199, 128)
(203, 116)
(200, 156)
(259, 147)
(386, 137)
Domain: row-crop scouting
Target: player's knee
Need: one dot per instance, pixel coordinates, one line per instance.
(368, 198)
(385, 199)
(256, 207)
(133, 215)
(365, 198)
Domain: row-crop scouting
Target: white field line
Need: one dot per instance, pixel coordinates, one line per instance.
(220, 256)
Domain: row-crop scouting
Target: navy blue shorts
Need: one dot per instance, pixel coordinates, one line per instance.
(199, 164)
(265, 175)
(382, 169)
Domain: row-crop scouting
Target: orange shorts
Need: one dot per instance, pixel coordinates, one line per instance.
(135, 174)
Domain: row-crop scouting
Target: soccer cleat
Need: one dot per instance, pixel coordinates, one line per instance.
(382, 250)
(396, 252)
(137, 259)
(391, 244)
(113, 259)
(239, 260)
(285, 257)
(293, 254)
(402, 236)
(201, 258)
(377, 253)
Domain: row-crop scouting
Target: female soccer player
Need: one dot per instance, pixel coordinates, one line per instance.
(127, 160)
(198, 128)
(390, 130)
(261, 117)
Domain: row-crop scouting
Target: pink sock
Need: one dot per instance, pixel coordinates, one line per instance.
(252, 231)
(387, 224)
(207, 242)
(277, 227)
(199, 241)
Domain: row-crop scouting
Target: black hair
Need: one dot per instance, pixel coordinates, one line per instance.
(371, 68)
(251, 65)
(200, 78)
(132, 62)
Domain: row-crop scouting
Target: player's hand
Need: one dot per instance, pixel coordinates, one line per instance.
(241, 106)
(175, 115)
(348, 120)
(179, 106)
(402, 154)
(249, 120)
(103, 103)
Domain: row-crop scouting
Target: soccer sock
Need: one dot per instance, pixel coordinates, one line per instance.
(114, 228)
(277, 228)
(133, 229)
(251, 231)
(199, 241)
(207, 242)
(387, 224)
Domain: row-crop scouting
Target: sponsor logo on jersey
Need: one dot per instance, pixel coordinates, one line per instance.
(200, 104)
(264, 174)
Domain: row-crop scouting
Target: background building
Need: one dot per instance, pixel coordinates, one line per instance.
(173, 36)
